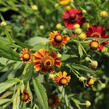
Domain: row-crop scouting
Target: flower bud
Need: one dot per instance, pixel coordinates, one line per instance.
(41, 27)
(78, 31)
(88, 103)
(82, 36)
(59, 26)
(103, 85)
(85, 26)
(82, 78)
(76, 26)
(93, 64)
(67, 8)
(3, 23)
(94, 45)
(90, 81)
(103, 14)
(87, 59)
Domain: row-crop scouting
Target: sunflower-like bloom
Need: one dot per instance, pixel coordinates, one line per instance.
(26, 55)
(94, 45)
(57, 40)
(62, 79)
(53, 100)
(90, 81)
(72, 17)
(25, 96)
(64, 2)
(44, 60)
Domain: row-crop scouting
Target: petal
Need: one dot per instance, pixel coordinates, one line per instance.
(37, 66)
(64, 74)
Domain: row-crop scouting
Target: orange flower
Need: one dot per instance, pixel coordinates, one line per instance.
(94, 45)
(62, 78)
(25, 96)
(45, 61)
(26, 55)
(53, 100)
(90, 81)
(57, 40)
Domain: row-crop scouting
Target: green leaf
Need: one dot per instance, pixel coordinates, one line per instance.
(36, 40)
(2, 101)
(80, 50)
(82, 67)
(6, 50)
(40, 93)
(5, 85)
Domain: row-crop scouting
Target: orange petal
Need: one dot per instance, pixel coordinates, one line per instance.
(37, 66)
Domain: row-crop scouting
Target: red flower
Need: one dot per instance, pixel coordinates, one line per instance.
(96, 31)
(102, 45)
(72, 17)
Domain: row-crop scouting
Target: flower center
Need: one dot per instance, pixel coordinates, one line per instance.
(48, 61)
(95, 34)
(26, 56)
(63, 81)
(94, 45)
(58, 38)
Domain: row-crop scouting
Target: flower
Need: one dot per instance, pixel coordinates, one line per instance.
(96, 32)
(72, 17)
(78, 31)
(76, 26)
(62, 79)
(59, 26)
(57, 40)
(88, 103)
(3, 23)
(93, 64)
(53, 100)
(103, 14)
(102, 45)
(82, 78)
(26, 55)
(41, 27)
(82, 36)
(85, 25)
(64, 2)
(94, 45)
(25, 96)
(44, 60)
(68, 7)
(90, 81)
(34, 7)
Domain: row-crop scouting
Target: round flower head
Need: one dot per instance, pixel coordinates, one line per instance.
(53, 100)
(25, 96)
(62, 79)
(88, 103)
(94, 45)
(103, 14)
(57, 40)
(72, 17)
(96, 31)
(44, 60)
(26, 55)
(64, 2)
(90, 81)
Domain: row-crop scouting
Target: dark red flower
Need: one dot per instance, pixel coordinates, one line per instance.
(53, 100)
(72, 17)
(96, 31)
(103, 44)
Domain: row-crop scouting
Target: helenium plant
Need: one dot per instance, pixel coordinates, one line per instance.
(54, 54)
